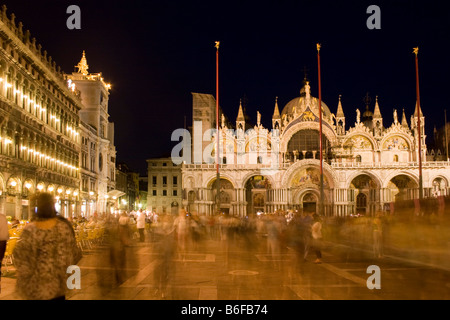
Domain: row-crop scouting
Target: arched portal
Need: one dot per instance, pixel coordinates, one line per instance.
(223, 199)
(256, 193)
(365, 191)
(309, 202)
(403, 187)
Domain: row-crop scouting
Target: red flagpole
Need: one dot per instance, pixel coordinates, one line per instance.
(217, 128)
(416, 51)
(320, 132)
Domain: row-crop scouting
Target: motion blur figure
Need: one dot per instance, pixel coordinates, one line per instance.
(181, 225)
(273, 227)
(46, 247)
(377, 226)
(166, 246)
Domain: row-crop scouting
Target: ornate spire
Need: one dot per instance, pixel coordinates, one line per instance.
(415, 111)
(240, 116)
(404, 121)
(340, 111)
(376, 112)
(82, 65)
(276, 111)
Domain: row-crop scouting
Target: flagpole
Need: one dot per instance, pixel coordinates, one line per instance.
(217, 129)
(416, 51)
(445, 132)
(320, 133)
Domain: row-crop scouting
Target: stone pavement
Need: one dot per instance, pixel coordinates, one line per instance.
(243, 268)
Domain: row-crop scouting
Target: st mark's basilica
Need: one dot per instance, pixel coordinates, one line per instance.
(367, 165)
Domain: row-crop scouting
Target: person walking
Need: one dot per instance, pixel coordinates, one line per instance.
(377, 227)
(316, 234)
(140, 225)
(306, 224)
(44, 251)
(4, 237)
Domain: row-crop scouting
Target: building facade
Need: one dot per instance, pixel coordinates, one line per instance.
(366, 166)
(44, 130)
(164, 194)
(98, 153)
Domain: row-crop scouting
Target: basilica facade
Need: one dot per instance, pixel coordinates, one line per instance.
(366, 165)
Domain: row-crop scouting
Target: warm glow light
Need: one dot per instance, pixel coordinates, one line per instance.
(59, 190)
(13, 183)
(40, 187)
(51, 188)
(28, 185)
(91, 193)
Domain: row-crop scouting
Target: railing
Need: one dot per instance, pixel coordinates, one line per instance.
(371, 165)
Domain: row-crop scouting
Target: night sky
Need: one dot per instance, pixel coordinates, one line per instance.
(155, 53)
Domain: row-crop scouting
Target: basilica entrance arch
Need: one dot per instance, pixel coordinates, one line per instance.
(224, 197)
(256, 189)
(309, 202)
(403, 187)
(365, 189)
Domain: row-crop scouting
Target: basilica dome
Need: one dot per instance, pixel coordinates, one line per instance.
(298, 105)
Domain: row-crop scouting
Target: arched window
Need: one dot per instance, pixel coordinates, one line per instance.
(395, 158)
(358, 158)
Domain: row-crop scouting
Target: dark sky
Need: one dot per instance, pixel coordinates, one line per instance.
(155, 53)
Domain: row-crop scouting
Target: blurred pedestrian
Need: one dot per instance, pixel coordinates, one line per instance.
(181, 225)
(124, 229)
(306, 224)
(166, 247)
(140, 225)
(316, 235)
(46, 247)
(377, 231)
(4, 237)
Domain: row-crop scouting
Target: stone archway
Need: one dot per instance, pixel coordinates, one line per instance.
(309, 202)
(403, 187)
(365, 188)
(256, 193)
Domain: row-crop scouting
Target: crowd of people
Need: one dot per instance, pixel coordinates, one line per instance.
(48, 243)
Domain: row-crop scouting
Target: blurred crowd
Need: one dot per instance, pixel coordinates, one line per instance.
(175, 237)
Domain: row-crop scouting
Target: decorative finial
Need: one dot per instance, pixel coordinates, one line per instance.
(318, 47)
(416, 50)
(217, 45)
(340, 97)
(82, 65)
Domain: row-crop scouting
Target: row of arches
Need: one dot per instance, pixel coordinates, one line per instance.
(365, 192)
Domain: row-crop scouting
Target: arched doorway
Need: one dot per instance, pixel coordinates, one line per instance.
(174, 208)
(403, 187)
(309, 203)
(361, 203)
(256, 191)
(365, 191)
(222, 201)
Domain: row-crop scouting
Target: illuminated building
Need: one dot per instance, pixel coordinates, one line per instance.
(366, 166)
(43, 126)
